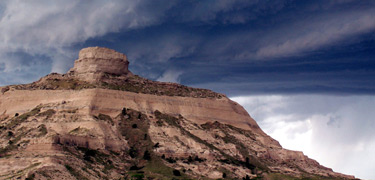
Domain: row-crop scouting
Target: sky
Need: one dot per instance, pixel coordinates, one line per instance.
(304, 70)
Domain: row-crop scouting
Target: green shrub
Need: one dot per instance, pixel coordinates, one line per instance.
(123, 112)
(138, 176)
(74, 173)
(42, 130)
(10, 133)
(176, 172)
(224, 175)
(147, 155)
(49, 113)
(105, 117)
(133, 152)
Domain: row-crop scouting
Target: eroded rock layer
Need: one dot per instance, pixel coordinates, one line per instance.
(94, 62)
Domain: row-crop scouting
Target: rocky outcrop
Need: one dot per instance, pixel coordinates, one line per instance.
(99, 121)
(95, 62)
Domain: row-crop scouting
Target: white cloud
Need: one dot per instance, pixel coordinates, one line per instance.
(170, 76)
(51, 27)
(337, 131)
(61, 23)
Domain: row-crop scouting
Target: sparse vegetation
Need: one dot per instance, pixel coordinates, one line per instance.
(12, 144)
(10, 134)
(250, 162)
(79, 131)
(147, 155)
(131, 83)
(134, 131)
(71, 111)
(277, 176)
(18, 174)
(15, 121)
(42, 130)
(30, 177)
(138, 176)
(170, 160)
(176, 172)
(133, 152)
(14, 136)
(75, 173)
(246, 177)
(159, 123)
(144, 159)
(224, 175)
(47, 114)
(123, 112)
(134, 126)
(105, 117)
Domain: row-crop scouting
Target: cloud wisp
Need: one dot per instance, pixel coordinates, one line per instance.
(315, 33)
(170, 76)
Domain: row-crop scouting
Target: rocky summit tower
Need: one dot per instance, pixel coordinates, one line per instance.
(95, 62)
(100, 121)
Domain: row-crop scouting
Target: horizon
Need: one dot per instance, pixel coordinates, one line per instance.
(305, 71)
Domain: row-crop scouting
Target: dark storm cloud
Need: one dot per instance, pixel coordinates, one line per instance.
(345, 73)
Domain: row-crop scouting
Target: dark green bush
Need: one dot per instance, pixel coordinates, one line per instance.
(133, 152)
(246, 178)
(170, 160)
(138, 176)
(123, 112)
(224, 175)
(147, 155)
(176, 172)
(135, 168)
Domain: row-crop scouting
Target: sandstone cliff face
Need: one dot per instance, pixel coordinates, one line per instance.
(94, 62)
(95, 101)
(100, 121)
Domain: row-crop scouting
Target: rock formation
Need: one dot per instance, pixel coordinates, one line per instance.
(95, 62)
(99, 121)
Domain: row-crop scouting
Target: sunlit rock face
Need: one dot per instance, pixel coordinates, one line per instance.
(95, 62)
